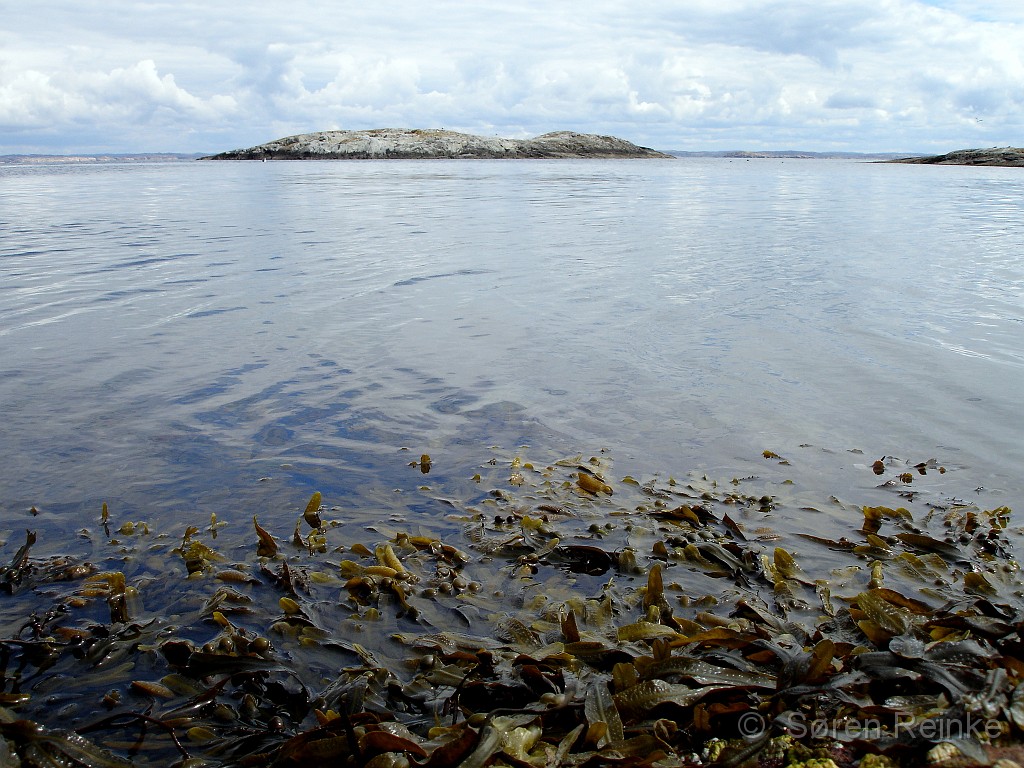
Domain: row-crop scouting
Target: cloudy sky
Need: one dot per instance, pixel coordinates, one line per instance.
(82, 76)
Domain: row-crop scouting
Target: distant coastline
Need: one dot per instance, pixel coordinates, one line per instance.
(417, 144)
(100, 159)
(994, 156)
(789, 154)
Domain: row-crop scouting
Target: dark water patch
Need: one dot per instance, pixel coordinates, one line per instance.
(128, 379)
(223, 383)
(454, 403)
(457, 273)
(126, 293)
(143, 262)
(274, 435)
(20, 253)
(211, 312)
(325, 415)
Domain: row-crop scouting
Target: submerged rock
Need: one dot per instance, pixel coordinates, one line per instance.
(1006, 156)
(397, 144)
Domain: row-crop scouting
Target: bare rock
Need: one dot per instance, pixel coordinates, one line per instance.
(1006, 156)
(405, 144)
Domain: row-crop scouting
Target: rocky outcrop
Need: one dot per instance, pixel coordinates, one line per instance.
(1008, 156)
(406, 144)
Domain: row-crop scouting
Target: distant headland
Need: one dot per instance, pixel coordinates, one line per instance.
(1006, 156)
(416, 144)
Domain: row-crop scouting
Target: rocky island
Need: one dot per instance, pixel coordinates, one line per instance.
(420, 144)
(1006, 156)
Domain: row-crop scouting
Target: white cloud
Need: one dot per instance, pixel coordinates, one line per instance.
(137, 97)
(139, 91)
(25, 99)
(858, 74)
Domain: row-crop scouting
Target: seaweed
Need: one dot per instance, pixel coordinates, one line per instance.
(549, 622)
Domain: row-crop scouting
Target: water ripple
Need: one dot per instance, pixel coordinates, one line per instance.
(176, 328)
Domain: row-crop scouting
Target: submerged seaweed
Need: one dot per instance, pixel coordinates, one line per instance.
(572, 620)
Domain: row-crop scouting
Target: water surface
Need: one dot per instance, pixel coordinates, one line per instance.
(185, 338)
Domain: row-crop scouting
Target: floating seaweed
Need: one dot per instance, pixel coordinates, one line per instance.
(552, 625)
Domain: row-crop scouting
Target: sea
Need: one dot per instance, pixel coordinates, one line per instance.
(181, 340)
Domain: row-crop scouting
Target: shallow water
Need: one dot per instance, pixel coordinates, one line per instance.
(193, 337)
(199, 344)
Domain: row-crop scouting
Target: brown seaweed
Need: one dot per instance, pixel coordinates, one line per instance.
(562, 626)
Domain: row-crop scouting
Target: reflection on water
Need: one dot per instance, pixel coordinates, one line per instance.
(218, 335)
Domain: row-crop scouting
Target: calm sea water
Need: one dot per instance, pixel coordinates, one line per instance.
(180, 339)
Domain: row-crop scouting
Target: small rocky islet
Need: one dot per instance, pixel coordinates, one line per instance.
(995, 156)
(423, 144)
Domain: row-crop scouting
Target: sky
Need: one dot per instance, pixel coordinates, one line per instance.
(931, 76)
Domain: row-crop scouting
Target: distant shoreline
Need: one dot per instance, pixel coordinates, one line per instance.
(100, 158)
(996, 156)
(176, 157)
(789, 154)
